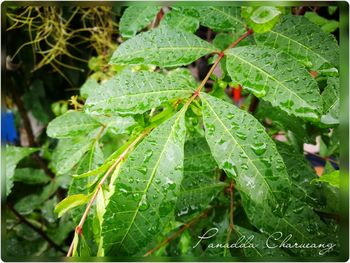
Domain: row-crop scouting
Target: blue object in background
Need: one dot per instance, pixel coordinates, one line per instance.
(8, 128)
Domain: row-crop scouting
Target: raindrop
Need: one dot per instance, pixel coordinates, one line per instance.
(142, 170)
(259, 148)
(148, 155)
(144, 205)
(241, 135)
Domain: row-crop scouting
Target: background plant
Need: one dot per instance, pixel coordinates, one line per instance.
(152, 155)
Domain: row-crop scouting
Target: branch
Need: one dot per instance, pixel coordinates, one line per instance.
(179, 232)
(38, 230)
(79, 228)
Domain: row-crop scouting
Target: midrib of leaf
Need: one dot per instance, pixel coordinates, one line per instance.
(228, 131)
(228, 15)
(300, 44)
(152, 177)
(173, 48)
(271, 77)
(141, 94)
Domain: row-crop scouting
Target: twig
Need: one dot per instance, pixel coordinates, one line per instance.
(38, 230)
(79, 228)
(179, 232)
(221, 55)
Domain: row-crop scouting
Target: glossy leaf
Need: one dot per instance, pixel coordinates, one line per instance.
(13, 156)
(177, 20)
(70, 202)
(145, 195)
(275, 77)
(200, 184)
(218, 18)
(163, 47)
(132, 93)
(305, 41)
(261, 18)
(331, 102)
(250, 156)
(71, 124)
(136, 18)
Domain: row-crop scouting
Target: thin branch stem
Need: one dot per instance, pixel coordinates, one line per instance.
(79, 228)
(38, 230)
(179, 232)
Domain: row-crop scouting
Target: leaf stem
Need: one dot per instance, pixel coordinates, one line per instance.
(79, 228)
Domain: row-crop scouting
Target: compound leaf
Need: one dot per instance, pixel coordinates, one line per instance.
(137, 92)
(136, 18)
(163, 47)
(275, 77)
(305, 41)
(145, 195)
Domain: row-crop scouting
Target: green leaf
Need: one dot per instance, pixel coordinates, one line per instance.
(145, 195)
(136, 18)
(218, 18)
(177, 20)
(13, 156)
(163, 47)
(305, 41)
(200, 184)
(327, 26)
(69, 152)
(70, 202)
(275, 77)
(331, 102)
(246, 153)
(31, 176)
(262, 18)
(71, 124)
(137, 92)
(332, 178)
